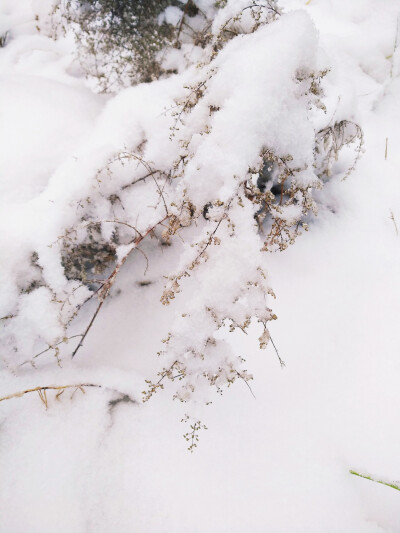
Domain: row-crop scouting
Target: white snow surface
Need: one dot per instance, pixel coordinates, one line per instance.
(275, 462)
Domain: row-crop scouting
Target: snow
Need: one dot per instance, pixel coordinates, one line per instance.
(100, 460)
(253, 96)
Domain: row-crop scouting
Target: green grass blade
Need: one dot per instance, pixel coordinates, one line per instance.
(392, 485)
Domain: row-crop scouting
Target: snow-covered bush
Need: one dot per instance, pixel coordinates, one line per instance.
(215, 166)
(119, 40)
(121, 43)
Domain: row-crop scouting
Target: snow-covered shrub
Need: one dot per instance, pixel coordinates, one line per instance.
(330, 141)
(216, 166)
(121, 43)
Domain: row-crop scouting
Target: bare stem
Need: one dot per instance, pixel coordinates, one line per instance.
(42, 390)
(105, 289)
(281, 361)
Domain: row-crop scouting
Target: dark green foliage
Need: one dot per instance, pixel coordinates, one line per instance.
(120, 39)
(84, 261)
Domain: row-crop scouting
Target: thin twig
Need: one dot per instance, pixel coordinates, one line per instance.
(176, 45)
(49, 348)
(268, 6)
(161, 195)
(394, 222)
(146, 258)
(88, 328)
(41, 390)
(138, 180)
(106, 287)
(115, 221)
(210, 238)
(246, 382)
(281, 361)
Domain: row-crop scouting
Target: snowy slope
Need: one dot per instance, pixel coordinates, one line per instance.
(276, 463)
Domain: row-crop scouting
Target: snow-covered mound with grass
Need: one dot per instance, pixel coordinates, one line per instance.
(157, 191)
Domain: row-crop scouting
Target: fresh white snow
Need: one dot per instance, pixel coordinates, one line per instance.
(275, 463)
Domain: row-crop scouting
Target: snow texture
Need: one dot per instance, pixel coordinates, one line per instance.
(275, 458)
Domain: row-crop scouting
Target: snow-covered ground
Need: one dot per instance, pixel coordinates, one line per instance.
(276, 463)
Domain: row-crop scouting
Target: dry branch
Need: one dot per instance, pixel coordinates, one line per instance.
(42, 390)
(105, 289)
